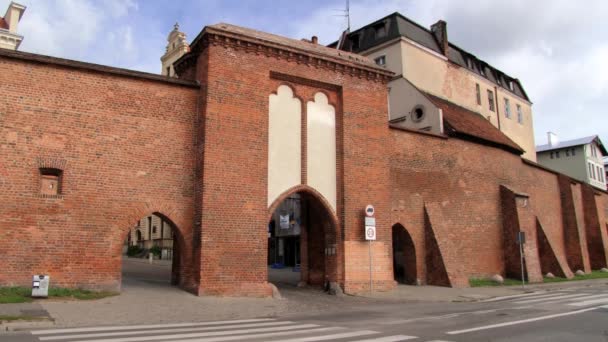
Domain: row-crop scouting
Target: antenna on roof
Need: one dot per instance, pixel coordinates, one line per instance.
(346, 14)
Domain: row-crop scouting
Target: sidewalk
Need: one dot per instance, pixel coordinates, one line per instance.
(150, 301)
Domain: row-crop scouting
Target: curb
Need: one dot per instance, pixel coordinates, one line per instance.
(25, 325)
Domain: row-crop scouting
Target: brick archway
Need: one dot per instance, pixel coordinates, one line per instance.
(319, 238)
(182, 249)
(404, 256)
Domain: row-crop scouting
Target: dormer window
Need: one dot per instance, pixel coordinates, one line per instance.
(380, 30)
(511, 85)
(354, 41)
(381, 61)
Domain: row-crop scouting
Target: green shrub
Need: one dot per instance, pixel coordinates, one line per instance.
(133, 250)
(156, 250)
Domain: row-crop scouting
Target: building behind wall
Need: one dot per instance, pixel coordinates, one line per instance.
(581, 159)
(426, 59)
(152, 231)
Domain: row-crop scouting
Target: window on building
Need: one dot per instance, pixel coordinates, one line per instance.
(567, 153)
(507, 108)
(520, 115)
(381, 60)
(511, 85)
(589, 168)
(380, 30)
(491, 100)
(478, 93)
(551, 154)
(50, 181)
(354, 41)
(482, 70)
(592, 171)
(556, 154)
(599, 174)
(573, 151)
(168, 71)
(593, 153)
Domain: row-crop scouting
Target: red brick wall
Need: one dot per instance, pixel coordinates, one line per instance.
(125, 146)
(234, 199)
(460, 181)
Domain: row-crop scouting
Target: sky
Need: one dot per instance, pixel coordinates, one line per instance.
(558, 49)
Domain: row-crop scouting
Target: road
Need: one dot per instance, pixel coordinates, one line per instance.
(566, 315)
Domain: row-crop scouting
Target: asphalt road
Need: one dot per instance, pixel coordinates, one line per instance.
(567, 315)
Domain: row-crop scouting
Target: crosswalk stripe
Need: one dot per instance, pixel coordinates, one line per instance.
(395, 338)
(577, 298)
(205, 334)
(505, 298)
(590, 302)
(256, 336)
(549, 298)
(160, 331)
(333, 336)
(149, 326)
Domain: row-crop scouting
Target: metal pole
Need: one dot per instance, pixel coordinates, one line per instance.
(371, 285)
(521, 257)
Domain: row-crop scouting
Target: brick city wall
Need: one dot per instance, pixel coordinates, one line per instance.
(457, 184)
(125, 147)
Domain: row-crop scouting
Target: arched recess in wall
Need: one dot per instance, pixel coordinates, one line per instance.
(404, 256)
(284, 142)
(178, 248)
(321, 147)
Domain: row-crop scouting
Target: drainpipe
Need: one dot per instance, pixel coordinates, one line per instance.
(496, 106)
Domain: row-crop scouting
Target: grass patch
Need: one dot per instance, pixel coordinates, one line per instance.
(592, 275)
(23, 295)
(480, 282)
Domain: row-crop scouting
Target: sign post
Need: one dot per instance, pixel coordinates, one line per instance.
(521, 239)
(370, 235)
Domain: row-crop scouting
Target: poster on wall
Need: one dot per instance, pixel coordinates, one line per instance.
(284, 221)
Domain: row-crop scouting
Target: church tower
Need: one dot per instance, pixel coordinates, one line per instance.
(176, 47)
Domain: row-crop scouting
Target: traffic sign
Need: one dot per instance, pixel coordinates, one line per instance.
(370, 233)
(369, 210)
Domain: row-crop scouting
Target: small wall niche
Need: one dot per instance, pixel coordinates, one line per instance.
(50, 182)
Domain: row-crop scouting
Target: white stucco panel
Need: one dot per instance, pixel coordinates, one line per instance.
(321, 147)
(284, 142)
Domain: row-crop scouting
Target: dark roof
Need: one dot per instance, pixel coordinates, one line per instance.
(396, 25)
(3, 24)
(302, 46)
(572, 143)
(466, 124)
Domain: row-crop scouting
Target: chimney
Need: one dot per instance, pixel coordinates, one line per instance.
(552, 139)
(440, 31)
(13, 16)
(314, 39)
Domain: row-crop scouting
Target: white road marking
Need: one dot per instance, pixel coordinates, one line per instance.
(536, 300)
(591, 302)
(333, 336)
(252, 336)
(495, 299)
(160, 331)
(395, 338)
(152, 326)
(506, 324)
(577, 299)
(205, 334)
